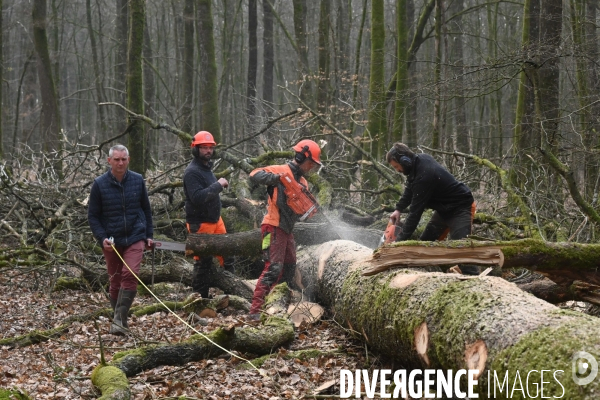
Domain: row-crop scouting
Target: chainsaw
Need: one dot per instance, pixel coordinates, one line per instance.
(391, 233)
(299, 199)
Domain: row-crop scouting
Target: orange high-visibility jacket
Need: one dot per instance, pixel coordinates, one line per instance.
(278, 212)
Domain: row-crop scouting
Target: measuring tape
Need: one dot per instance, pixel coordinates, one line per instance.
(112, 244)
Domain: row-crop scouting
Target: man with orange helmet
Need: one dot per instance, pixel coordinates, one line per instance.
(203, 205)
(278, 245)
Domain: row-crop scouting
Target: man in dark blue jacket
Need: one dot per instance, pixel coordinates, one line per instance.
(119, 214)
(203, 206)
(429, 185)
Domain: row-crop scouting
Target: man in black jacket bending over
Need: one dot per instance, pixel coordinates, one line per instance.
(203, 206)
(429, 185)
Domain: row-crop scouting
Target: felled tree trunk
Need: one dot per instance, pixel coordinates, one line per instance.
(248, 244)
(561, 262)
(448, 321)
(548, 290)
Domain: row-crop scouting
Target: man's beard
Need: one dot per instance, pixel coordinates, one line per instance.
(205, 158)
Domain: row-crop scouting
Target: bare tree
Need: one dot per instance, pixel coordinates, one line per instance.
(135, 85)
(50, 126)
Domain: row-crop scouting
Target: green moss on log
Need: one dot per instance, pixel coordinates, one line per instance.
(112, 382)
(67, 282)
(13, 394)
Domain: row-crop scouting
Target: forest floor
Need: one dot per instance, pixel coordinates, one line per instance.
(60, 367)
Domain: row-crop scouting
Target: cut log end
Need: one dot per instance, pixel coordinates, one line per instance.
(422, 342)
(403, 280)
(476, 356)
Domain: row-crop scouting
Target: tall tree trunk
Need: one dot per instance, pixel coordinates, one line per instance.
(592, 133)
(495, 98)
(135, 85)
(376, 138)
(302, 42)
(323, 77)
(149, 96)
(357, 58)
(252, 58)
(268, 50)
(549, 74)
(461, 140)
(524, 134)
(436, 140)
(209, 96)
(402, 71)
(2, 80)
(98, 78)
(187, 100)
(50, 119)
(121, 37)
(410, 137)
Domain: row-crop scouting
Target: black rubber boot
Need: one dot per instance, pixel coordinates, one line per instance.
(113, 303)
(124, 302)
(202, 276)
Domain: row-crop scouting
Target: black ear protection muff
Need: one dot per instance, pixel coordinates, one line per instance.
(405, 162)
(301, 156)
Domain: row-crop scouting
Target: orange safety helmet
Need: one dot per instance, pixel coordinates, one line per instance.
(203, 138)
(307, 149)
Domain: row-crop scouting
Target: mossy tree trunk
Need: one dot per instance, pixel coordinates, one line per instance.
(264, 339)
(401, 72)
(135, 85)
(187, 101)
(440, 321)
(437, 140)
(50, 119)
(209, 96)
(268, 53)
(120, 71)
(98, 77)
(376, 138)
(561, 262)
(300, 32)
(1, 80)
(252, 58)
(323, 76)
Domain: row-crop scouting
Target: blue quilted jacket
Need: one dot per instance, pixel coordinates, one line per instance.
(120, 209)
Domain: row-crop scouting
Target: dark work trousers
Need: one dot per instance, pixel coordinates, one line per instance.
(459, 226)
(202, 277)
(279, 253)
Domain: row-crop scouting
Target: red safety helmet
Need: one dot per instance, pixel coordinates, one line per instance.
(203, 138)
(307, 149)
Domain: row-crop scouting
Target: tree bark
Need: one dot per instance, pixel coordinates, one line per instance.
(135, 85)
(438, 321)
(188, 67)
(561, 262)
(323, 55)
(209, 96)
(50, 120)
(268, 58)
(252, 58)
